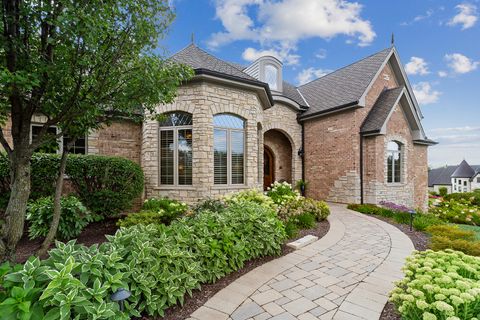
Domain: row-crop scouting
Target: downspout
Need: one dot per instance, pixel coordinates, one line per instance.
(303, 151)
(361, 168)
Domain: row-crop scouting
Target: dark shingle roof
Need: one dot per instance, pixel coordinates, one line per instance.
(199, 59)
(441, 176)
(463, 171)
(344, 86)
(381, 109)
(291, 92)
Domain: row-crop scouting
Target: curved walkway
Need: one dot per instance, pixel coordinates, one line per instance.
(347, 274)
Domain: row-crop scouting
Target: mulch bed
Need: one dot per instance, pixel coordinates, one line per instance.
(420, 241)
(94, 233)
(200, 297)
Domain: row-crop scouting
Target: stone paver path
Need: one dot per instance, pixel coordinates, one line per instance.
(347, 274)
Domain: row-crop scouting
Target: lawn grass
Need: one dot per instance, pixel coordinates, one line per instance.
(475, 229)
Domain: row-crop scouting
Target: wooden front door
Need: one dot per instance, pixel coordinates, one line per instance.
(268, 168)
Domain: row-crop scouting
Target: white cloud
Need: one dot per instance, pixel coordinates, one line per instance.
(307, 75)
(321, 54)
(289, 21)
(417, 65)
(283, 54)
(455, 144)
(466, 16)
(425, 94)
(418, 18)
(442, 74)
(460, 63)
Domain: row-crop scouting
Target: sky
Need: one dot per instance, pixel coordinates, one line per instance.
(438, 43)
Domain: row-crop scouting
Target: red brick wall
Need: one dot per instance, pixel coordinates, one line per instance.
(332, 149)
(121, 138)
(420, 176)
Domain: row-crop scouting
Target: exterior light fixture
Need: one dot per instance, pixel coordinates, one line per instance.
(412, 216)
(120, 296)
(300, 152)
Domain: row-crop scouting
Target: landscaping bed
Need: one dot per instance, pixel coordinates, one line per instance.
(200, 297)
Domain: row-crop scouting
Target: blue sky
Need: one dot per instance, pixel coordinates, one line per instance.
(438, 42)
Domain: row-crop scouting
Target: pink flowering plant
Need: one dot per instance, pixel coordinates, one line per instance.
(439, 285)
(394, 207)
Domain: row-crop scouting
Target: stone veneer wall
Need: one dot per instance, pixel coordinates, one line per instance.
(282, 152)
(203, 100)
(122, 139)
(284, 119)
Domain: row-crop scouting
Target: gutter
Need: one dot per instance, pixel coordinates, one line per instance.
(361, 168)
(256, 83)
(331, 110)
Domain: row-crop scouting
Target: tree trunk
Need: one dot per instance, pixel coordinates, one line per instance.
(57, 206)
(12, 230)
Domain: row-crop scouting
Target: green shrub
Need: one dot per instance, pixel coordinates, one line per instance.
(450, 231)
(251, 195)
(457, 211)
(144, 218)
(281, 192)
(169, 209)
(371, 209)
(74, 217)
(452, 237)
(423, 221)
(214, 205)
(291, 229)
(443, 191)
(300, 205)
(106, 185)
(305, 220)
(402, 217)
(470, 197)
(75, 282)
(439, 285)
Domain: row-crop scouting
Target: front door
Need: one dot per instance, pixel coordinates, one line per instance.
(268, 165)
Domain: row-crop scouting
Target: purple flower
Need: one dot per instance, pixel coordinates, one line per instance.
(394, 206)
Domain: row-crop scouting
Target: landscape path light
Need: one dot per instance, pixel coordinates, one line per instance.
(412, 216)
(120, 296)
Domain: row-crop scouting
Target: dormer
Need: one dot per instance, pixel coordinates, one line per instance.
(267, 69)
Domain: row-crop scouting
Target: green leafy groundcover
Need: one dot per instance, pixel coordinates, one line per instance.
(439, 285)
(159, 264)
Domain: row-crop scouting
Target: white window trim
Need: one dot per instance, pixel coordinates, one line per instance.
(60, 140)
(400, 153)
(229, 156)
(175, 156)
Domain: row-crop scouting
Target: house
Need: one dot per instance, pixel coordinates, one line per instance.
(354, 135)
(461, 178)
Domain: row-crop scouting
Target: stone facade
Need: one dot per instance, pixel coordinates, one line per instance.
(283, 119)
(282, 150)
(203, 100)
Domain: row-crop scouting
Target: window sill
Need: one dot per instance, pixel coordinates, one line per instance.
(395, 184)
(166, 188)
(229, 187)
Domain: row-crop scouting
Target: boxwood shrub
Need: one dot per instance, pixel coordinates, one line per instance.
(106, 185)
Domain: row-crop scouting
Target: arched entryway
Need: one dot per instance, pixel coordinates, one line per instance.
(277, 162)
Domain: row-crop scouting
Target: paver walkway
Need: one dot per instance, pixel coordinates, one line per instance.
(347, 274)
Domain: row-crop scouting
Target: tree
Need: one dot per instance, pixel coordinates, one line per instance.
(77, 63)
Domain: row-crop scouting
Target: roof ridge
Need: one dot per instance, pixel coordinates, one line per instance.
(344, 67)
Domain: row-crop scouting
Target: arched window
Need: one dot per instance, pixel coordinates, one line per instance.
(394, 162)
(228, 149)
(271, 76)
(176, 149)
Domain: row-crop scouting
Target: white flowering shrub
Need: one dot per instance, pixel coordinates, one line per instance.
(250, 195)
(456, 211)
(439, 285)
(282, 193)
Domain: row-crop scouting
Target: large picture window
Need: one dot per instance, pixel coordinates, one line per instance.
(394, 162)
(228, 149)
(176, 149)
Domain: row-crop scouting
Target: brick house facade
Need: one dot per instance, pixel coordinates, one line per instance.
(234, 127)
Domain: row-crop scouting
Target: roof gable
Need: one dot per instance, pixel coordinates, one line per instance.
(381, 110)
(344, 86)
(463, 171)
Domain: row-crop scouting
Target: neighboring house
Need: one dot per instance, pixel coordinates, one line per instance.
(461, 178)
(355, 134)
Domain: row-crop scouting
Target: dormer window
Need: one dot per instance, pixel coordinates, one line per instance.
(271, 76)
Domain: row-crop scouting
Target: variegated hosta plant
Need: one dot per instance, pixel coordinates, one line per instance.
(439, 285)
